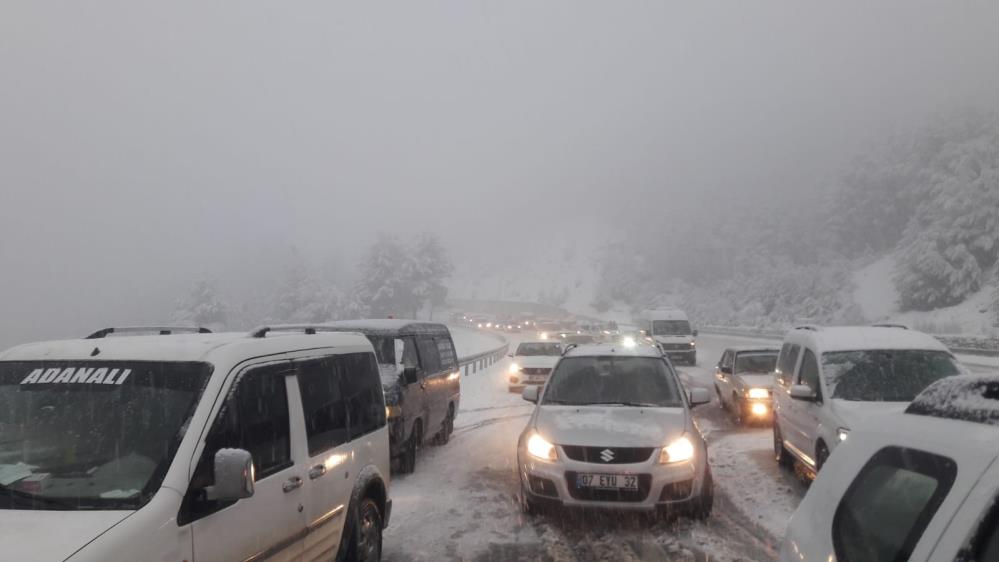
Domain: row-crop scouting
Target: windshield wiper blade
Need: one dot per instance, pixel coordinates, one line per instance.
(638, 404)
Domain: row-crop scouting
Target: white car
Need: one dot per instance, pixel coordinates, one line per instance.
(829, 379)
(198, 447)
(613, 429)
(918, 486)
(532, 362)
(670, 328)
(744, 379)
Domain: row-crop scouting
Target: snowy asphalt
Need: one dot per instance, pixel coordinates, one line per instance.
(461, 503)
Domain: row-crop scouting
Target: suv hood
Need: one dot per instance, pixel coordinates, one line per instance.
(604, 426)
(853, 413)
(51, 535)
(536, 361)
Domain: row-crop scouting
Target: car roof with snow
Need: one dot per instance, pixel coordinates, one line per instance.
(179, 347)
(607, 349)
(754, 348)
(389, 327)
(862, 338)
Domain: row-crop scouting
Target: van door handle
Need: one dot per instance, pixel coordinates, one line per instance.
(317, 471)
(293, 483)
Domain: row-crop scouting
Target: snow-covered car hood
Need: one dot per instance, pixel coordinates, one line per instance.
(535, 361)
(51, 535)
(758, 381)
(853, 413)
(604, 426)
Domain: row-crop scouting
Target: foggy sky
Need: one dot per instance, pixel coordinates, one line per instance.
(146, 144)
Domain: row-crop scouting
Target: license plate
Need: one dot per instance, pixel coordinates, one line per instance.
(607, 481)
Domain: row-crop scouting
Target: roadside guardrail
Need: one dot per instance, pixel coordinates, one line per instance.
(472, 363)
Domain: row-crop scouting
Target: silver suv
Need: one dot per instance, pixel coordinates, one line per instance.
(613, 429)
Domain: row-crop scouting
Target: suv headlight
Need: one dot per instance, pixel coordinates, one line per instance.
(678, 451)
(758, 393)
(514, 368)
(540, 448)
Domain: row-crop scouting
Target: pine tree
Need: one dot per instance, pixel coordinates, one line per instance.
(201, 307)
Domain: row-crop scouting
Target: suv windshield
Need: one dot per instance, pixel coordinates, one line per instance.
(670, 328)
(536, 349)
(631, 381)
(885, 375)
(93, 434)
(758, 363)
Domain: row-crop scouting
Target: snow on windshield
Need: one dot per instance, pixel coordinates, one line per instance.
(884, 375)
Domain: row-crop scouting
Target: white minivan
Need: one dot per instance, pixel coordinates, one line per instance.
(671, 330)
(193, 447)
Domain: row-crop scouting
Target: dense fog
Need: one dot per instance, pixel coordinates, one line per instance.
(263, 148)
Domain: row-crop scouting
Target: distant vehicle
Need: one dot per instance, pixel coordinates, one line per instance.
(670, 328)
(829, 379)
(744, 379)
(198, 447)
(577, 338)
(532, 363)
(613, 430)
(918, 486)
(421, 378)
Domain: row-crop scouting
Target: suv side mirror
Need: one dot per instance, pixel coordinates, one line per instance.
(234, 475)
(699, 396)
(530, 393)
(410, 375)
(726, 370)
(803, 392)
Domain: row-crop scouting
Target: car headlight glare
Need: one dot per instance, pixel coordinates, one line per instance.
(393, 412)
(692, 344)
(539, 448)
(678, 451)
(758, 393)
(842, 433)
(514, 368)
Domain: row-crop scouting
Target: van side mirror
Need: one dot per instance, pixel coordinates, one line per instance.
(530, 393)
(803, 392)
(410, 375)
(234, 475)
(695, 333)
(699, 396)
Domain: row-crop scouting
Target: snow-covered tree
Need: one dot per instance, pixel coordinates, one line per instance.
(384, 285)
(201, 307)
(428, 267)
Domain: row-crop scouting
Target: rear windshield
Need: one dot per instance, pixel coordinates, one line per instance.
(627, 381)
(670, 328)
(539, 348)
(885, 375)
(756, 363)
(91, 434)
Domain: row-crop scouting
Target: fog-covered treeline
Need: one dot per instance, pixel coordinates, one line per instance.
(928, 197)
(395, 278)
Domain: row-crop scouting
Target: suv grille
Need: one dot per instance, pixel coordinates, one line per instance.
(675, 346)
(593, 494)
(617, 455)
(536, 370)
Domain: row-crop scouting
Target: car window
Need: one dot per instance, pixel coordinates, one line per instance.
(322, 404)
(755, 363)
(445, 350)
(531, 349)
(786, 363)
(429, 358)
(632, 381)
(362, 393)
(726, 360)
(885, 510)
(405, 351)
(809, 374)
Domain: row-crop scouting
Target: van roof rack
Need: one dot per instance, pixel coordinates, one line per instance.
(153, 330)
(890, 325)
(308, 329)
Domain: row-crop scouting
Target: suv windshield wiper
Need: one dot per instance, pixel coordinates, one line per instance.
(20, 496)
(617, 403)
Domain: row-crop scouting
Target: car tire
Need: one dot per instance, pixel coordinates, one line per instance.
(407, 462)
(705, 501)
(781, 455)
(444, 435)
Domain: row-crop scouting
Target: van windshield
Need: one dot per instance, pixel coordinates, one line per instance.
(91, 434)
(670, 328)
(885, 375)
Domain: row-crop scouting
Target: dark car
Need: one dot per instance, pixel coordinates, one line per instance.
(421, 380)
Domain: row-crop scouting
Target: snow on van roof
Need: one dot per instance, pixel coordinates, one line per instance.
(859, 338)
(178, 347)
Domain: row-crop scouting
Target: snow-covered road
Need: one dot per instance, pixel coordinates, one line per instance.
(461, 504)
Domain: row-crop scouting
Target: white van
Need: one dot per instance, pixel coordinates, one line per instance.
(670, 328)
(196, 447)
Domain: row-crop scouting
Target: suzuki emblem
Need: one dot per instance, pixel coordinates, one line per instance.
(607, 455)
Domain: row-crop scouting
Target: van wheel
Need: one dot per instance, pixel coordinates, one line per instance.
(444, 435)
(364, 532)
(780, 453)
(407, 464)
